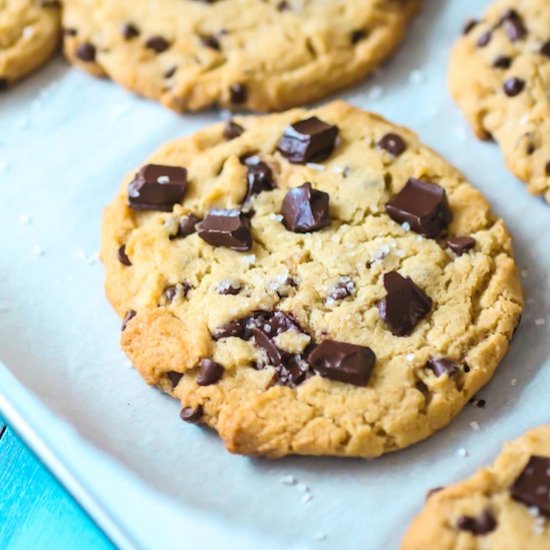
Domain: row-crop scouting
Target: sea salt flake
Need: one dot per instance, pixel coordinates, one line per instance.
(463, 452)
(514, 382)
(475, 426)
(540, 322)
(376, 92)
(406, 226)
(163, 179)
(288, 480)
(307, 497)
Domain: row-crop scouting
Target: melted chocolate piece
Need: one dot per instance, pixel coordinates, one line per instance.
(306, 209)
(174, 377)
(186, 226)
(130, 315)
(259, 177)
(532, 486)
(210, 372)
(393, 144)
(502, 62)
(238, 93)
(514, 86)
(461, 245)
(123, 257)
(86, 52)
(191, 414)
(469, 25)
(211, 41)
(129, 31)
(513, 25)
(443, 366)
(233, 329)
(232, 130)
(158, 44)
(228, 228)
(478, 525)
(357, 36)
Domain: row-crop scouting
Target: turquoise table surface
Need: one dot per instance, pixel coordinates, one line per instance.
(35, 510)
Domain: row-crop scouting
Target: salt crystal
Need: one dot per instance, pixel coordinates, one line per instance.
(514, 382)
(307, 497)
(475, 426)
(406, 226)
(463, 452)
(540, 322)
(315, 166)
(288, 480)
(28, 32)
(375, 92)
(163, 179)
(409, 356)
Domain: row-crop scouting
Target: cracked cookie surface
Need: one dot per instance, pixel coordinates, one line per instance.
(500, 79)
(29, 33)
(504, 506)
(245, 339)
(260, 55)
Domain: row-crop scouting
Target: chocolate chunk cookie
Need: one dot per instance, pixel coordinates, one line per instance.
(322, 311)
(500, 78)
(506, 505)
(29, 33)
(260, 55)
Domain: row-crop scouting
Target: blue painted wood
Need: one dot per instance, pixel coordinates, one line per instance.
(35, 510)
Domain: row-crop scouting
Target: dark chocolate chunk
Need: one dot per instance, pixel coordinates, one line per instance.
(502, 62)
(238, 93)
(469, 25)
(186, 226)
(545, 50)
(357, 36)
(259, 177)
(343, 362)
(513, 25)
(423, 205)
(191, 414)
(210, 372)
(393, 144)
(342, 289)
(3, 84)
(130, 315)
(129, 31)
(461, 245)
(157, 43)
(405, 304)
(484, 39)
(174, 377)
(211, 41)
(157, 187)
(514, 86)
(86, 52)
(478, 525)
(532, 486)
(123, 257)
(306, 209)
(229, 228)
(232, 130)
(443, 366)
(233, 329)
(310, 140)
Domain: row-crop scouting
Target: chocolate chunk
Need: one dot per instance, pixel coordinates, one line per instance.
(211, 41)
(502, 62)
(342, 289)
(191, 414)
(229, 228)
(122, 256)
(343, 362)
(469, 25)
(514, 86)
(443, 366)
(174, 377)
(238, 93)
(393, 144)
(478, 525)
(186, 226)
(513, 25)
(532, 486)
(157, 43)
(423, 205)
(404, 305)
(545, 50)
(461, 245)
(229, 288)
(233, 329)
(86, 52)
(484, 39)
(232, 130)
(3, 84)
(259, 177)
(310, 140)
(357, 36)
(129, 31)
(157, 187)
(170, 293)
(306, 209)
(130, 315)
(210, 372)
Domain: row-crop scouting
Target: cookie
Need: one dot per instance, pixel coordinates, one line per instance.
(314, 283)
(239, 54)
(506, 505)
(500, 79)
(29, 33)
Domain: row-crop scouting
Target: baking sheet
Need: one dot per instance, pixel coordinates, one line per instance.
(66, 140)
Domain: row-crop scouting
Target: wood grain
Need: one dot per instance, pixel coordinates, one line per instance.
(35, 511)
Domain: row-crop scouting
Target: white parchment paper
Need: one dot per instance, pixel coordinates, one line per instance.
(66, 140)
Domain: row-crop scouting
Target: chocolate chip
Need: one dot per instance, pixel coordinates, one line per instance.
(347, 363)
(502, 62)
(122, 256)
(70, 32)
(86, 52)
(532, 486)
(283, 6)
(484, 39)
(357, 36)
(342, 289)
(513, 25)
(433, 491)
(211, 41)
(238, 93)
(305, 209)
(157, 187)
(170, 72)
(469, 25)
(130, 315)
(129, 31)
(310, 140)
(191, 414)
(186, 226)
(232, 130)
(210, 372)
(157, 43)
(514, 86)
(545, 50)
(443, 366)
(393, 144)
(259, 177)
(170, 293)
(461, 245)
(547, 169)
(478, 525)
(229, 228)
(404, 305)
(229, 288)
(423, 205)
(233, 329)
(174, 377)
(3, 84)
